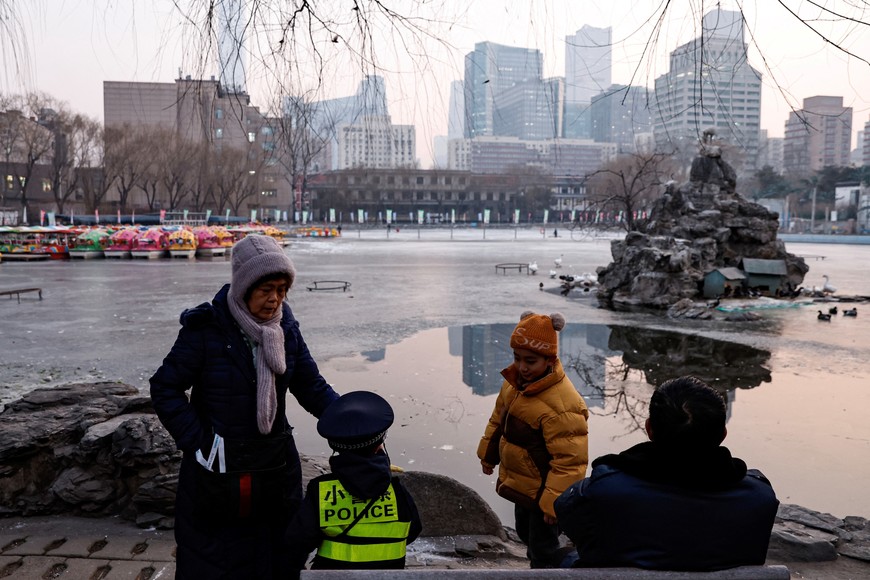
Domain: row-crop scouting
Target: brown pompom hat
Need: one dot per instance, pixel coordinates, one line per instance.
(538, 333)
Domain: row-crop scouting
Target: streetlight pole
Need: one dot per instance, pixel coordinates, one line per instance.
(813, 212)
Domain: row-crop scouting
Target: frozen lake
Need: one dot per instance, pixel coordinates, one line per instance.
(426, 323)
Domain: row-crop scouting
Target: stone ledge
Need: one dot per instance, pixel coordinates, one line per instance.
(741, 573)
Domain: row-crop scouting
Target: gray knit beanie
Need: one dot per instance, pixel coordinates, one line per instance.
(255, 256)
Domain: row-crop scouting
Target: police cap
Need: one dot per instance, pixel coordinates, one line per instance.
(355, 421)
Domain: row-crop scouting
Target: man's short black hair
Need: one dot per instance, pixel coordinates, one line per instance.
(687, 412)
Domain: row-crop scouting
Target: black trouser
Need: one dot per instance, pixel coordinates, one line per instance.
(541, 538)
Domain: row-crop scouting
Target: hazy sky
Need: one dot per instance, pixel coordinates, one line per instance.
(72, 46)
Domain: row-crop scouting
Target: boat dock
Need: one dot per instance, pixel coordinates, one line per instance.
(23, 257)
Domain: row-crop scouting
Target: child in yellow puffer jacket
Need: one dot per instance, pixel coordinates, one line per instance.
(537, 434)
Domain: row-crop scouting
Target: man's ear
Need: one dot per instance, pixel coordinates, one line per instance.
(648, 430)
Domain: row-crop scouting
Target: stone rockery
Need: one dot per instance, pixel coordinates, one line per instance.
(693, 229)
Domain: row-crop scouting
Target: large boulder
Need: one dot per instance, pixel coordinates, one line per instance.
(449, 508)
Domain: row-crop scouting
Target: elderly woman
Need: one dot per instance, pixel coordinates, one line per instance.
(240, 481)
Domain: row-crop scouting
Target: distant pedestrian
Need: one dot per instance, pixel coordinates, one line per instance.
(537, 434)
(555, 233)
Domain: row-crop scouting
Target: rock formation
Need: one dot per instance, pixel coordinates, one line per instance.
(693, 229)
(99, 450)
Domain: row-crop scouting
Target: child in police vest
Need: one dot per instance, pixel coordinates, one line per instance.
(358, 516)
(537, 435)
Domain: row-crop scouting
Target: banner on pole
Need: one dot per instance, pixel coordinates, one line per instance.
(97, 215)
(253, 215)
(207, 216)
(332, 215)
(228, 215)
(360, 216)
(41, 217)
(163, 215)
(389, 216)
(486, 216)
(51, 221)
(453, 215)
(420, 216)
(304, 217)
(516, 216)
(185, 215)
(546, 215)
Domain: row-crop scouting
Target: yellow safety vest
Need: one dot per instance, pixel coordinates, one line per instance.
(377, 536)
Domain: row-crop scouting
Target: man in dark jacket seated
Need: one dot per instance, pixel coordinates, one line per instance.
(676, 502)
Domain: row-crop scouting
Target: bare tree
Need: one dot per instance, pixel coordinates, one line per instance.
(64, 179)
(149, 183)
(629, 183)
(233, 178)
(298, 141)
(200, 184)
(9, 141)
(26, 138)
(127, 155)
(92, 166)
(175, 157)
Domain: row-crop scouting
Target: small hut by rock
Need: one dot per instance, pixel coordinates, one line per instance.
(769, 277)
(723, 282)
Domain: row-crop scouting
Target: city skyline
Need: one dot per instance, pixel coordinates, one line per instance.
(71, 50)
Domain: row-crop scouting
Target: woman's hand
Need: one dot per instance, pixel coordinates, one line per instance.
(487, 468)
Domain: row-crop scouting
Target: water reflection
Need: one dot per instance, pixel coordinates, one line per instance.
(442, 384)
(661, 355)
(615, 367)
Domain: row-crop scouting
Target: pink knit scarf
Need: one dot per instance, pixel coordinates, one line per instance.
(270, 360)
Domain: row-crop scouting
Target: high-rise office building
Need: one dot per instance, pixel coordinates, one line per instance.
(818, 135)
(865, 143)
(770, 152)
(456, 112)
(710, 84)
(857, 156)
(232, 23)
(619, 114)
(530, 110)
(324, 118)
(374, 142)
(588, 64)
(553, 157)
(490, 70)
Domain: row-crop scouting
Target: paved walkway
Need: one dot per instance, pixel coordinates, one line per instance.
(83, 549)
(74, 548)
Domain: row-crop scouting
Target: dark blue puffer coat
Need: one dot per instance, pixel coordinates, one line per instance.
(211, 358)
(663, 509)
